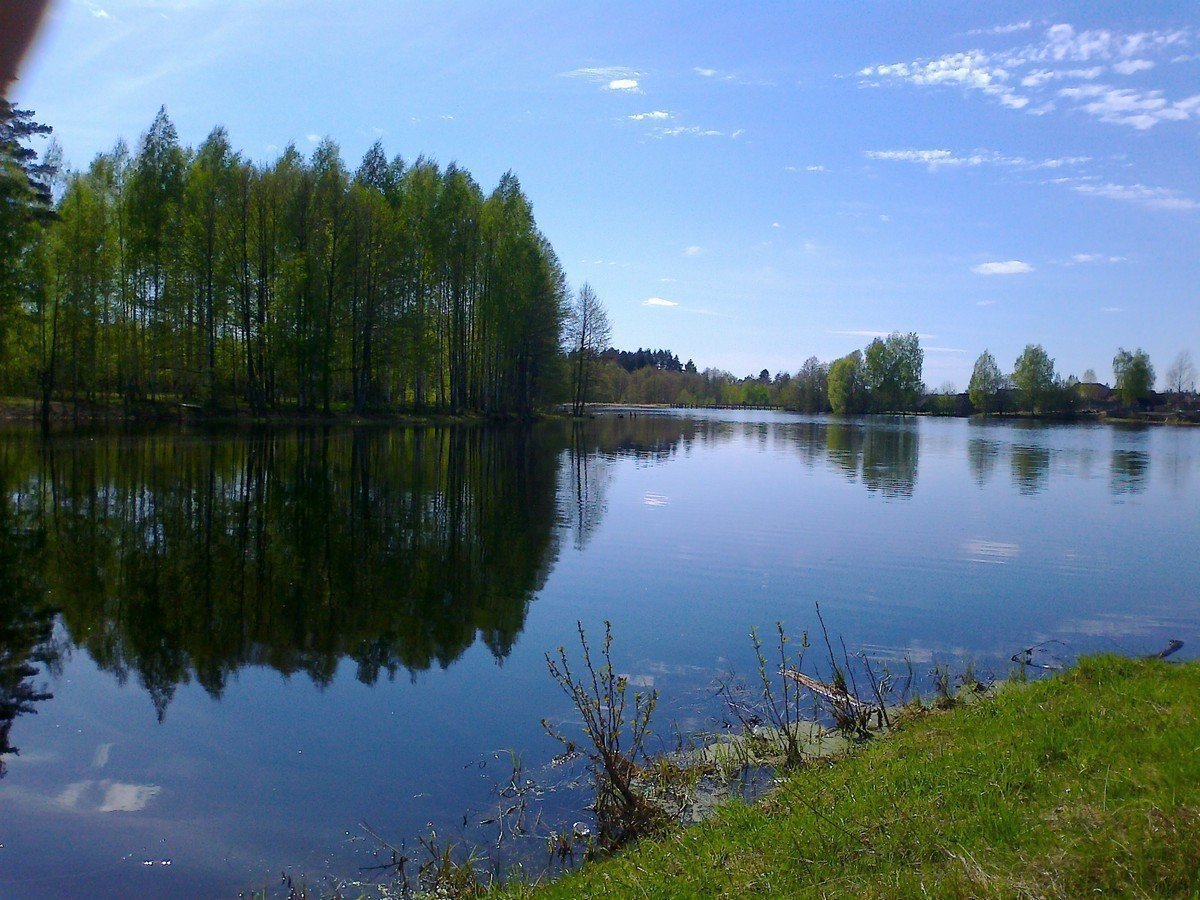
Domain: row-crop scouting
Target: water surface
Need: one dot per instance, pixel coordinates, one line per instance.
(231, 649)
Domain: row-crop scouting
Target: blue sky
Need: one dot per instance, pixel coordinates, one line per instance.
(746, 184)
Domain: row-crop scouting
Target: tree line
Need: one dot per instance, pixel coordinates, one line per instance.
(167, 272)
(1034, 385)
(886, 376)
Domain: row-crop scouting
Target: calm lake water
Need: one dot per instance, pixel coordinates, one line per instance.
(258, 641)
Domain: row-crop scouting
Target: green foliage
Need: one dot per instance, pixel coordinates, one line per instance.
(1034, 379)
(1134, 375)
(985, 383)
(892, 372)
(847, 385)
(25, 209)
(1076, 785)
(197, 275)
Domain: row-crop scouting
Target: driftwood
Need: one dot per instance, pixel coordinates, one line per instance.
(1025, 657)
(1172, 647)
(834, 695)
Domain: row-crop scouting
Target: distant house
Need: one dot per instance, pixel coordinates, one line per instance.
(1094, 392)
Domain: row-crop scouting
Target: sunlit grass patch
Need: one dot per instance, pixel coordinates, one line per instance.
(1086, 782)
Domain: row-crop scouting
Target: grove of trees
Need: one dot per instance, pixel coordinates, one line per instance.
(166, 272)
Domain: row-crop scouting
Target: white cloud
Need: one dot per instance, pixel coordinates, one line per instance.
(705, 73)
(776, 225)
(611, 78)
(936, 159)
(1129, 66)
(737, 133)
(693, 251)
(1063, 42)
(1040, 77)
(1034, 66)
(1011, 267)
(1111, 309)
(985, 302)
(1084, 258)
(1003, 29)
(101, 13)
(657, 114)
(687, 130)
(921, 156)
(971, 70)
(815, 169)
(1124, 106)
(658, 301)
(313, 138)
(602, 74)
(1155, 198)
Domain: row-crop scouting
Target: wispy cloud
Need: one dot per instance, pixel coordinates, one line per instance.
(1111, 309)
(1010, 267)
(1153, 197)
(610, 78)
(1018, 77)
(937, 159)
(693, 251)
(1085, 258)
(658, 301)
(1040, 77)
(655, 115)
(1129, 66)
(601, 74)
(1125, 106)
(970, 70)
(101, 13)
(1003, 29)
(689, 131)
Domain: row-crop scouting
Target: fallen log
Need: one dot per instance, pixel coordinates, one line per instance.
(833, 694)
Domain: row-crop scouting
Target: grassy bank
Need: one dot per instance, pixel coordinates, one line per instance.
(1084, 783)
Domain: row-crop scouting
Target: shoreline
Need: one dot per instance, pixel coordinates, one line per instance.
(1079, 782)
(66, 415)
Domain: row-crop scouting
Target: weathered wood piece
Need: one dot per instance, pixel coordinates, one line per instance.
(833, 694)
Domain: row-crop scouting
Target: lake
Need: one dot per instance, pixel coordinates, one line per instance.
(232, 648)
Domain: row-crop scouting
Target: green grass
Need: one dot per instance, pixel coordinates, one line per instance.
(1085, 784)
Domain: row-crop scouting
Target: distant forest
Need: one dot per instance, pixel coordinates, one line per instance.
(200, 275)
(886, 376)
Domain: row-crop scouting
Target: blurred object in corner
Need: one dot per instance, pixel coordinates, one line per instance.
(19, 20)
